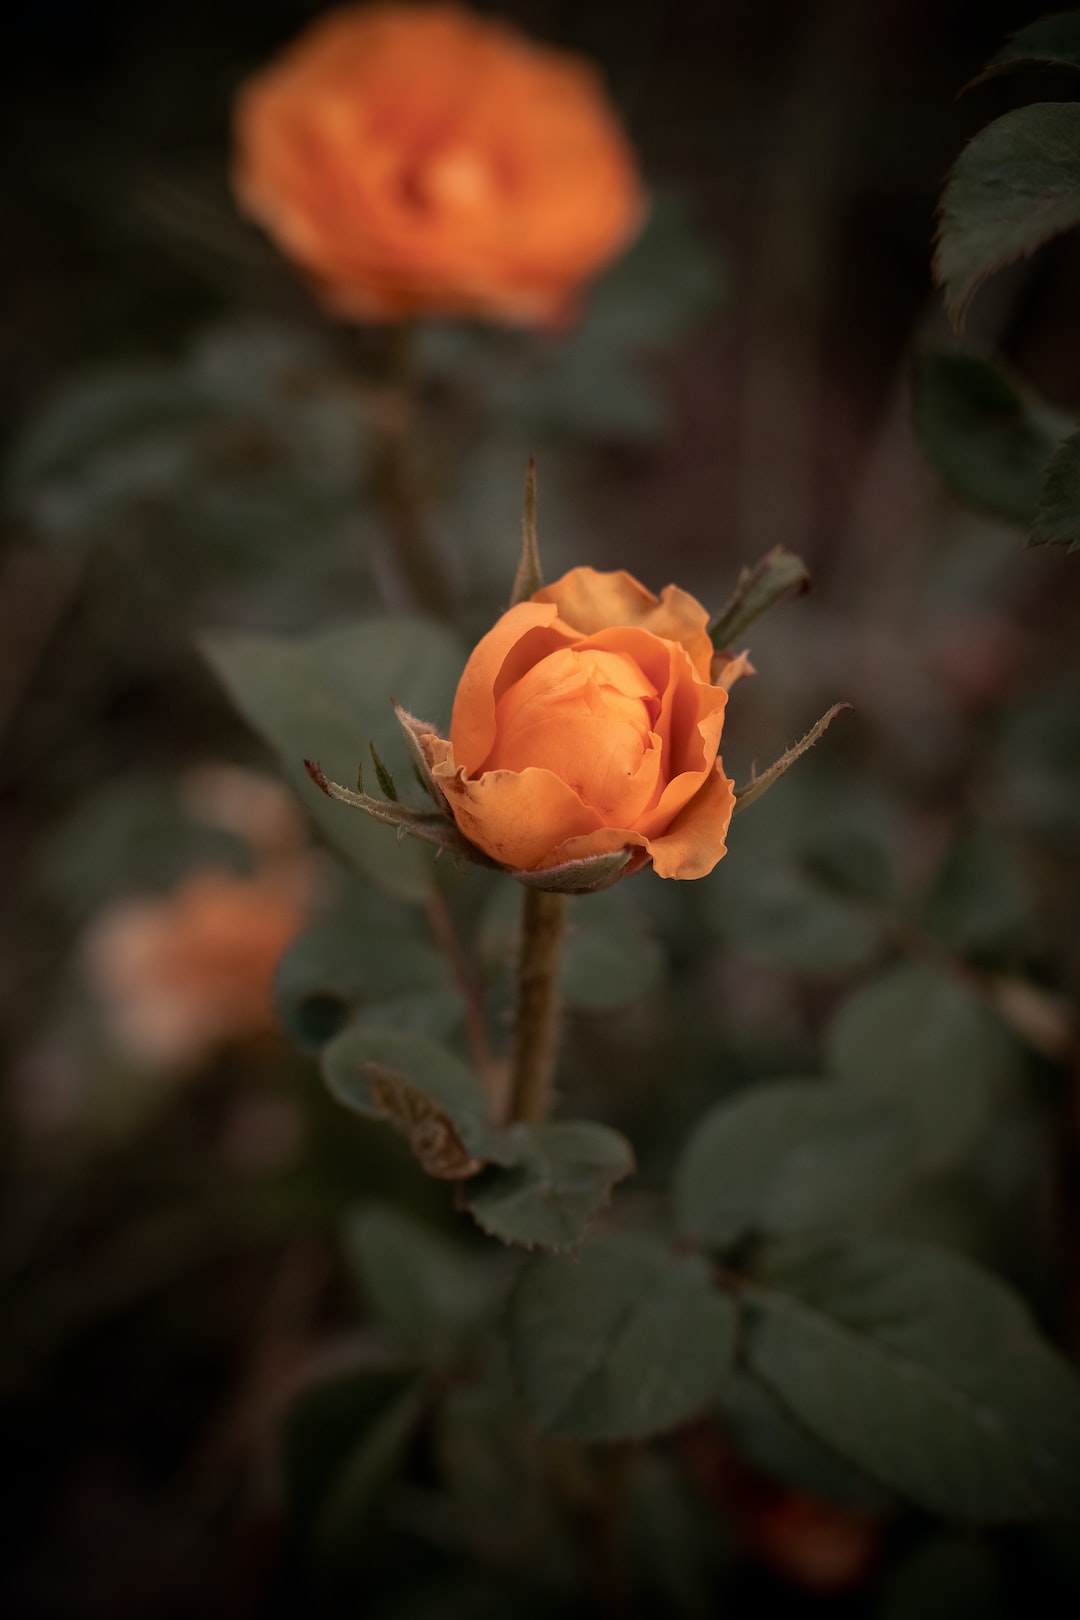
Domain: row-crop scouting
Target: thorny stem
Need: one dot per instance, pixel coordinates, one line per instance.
(442, 926)
(414, 577)
(537, 1029)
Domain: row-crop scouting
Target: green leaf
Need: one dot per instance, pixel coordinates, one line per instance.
(561, 1177)
(672, 1541)
(776, 912)
(430, 1014)
(550, 1179)
(131, 837)
(500, 1493)
(325, 1421)
(366, 1475)
(767, 1438)
(980, 900)
(1015, 185)
(118, 435)
(1050, 42)
(93, 413)
(779, 573)
(428, 1291)
(354, 965)
(620, 1341)
(923, 1371)
(790, 1158)
(920, 1038)
(1057, 518)
(851, 856)
(421, 1089)
(325, 697)
(610, 959)
(226, 454)
(986, 437)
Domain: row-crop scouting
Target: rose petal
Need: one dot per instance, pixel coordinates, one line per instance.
(689, 848)
(682, 788)
(518, 641)
(691, 715)
(593, 601)
(516, 817)
(695, 841)
(727, 669)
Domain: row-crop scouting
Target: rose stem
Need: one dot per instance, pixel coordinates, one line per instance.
(537, 1030)
(415, 576)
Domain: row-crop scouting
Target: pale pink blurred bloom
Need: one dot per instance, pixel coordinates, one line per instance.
(182, 973)
(255, 808)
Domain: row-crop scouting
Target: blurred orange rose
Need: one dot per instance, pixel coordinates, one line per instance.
(181, 973)
(420, 159)
(588, 721)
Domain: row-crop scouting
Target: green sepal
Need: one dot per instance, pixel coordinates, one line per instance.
(429, 825)
(529, 577)
(586, 876)
(778, 574)
(413, 729)
(382, 773)
(758, 785)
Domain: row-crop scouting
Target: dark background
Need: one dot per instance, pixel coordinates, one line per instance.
(811, 140)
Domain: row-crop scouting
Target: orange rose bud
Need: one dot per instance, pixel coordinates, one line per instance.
(587, 722)
(418, 159)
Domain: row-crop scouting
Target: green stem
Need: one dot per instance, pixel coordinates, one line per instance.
(415, 576)
(537, 1030)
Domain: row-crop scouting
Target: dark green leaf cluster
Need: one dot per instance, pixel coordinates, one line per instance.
(535, 1185)
(1013, 188)
(922, 1372)
(919, 1372)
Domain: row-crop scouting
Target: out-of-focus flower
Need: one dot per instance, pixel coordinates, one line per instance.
(419, 159)
(254, 807)
(587, 722)
(811, 1543)
(824, 1547)
(182, 973)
